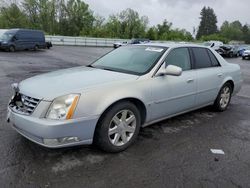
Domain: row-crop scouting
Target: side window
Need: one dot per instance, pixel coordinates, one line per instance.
(179, 57)
(214, 60)
(202, 59)
(17, 36)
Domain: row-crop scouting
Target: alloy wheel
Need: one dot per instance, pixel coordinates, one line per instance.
(122, 127)
(225, 97)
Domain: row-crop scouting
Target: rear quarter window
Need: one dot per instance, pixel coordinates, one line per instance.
(214, 60)
(201, 57)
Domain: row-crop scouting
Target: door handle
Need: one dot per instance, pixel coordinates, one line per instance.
(220, 75)
(190, 80)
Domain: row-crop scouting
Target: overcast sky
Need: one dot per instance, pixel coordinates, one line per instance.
(182, 13)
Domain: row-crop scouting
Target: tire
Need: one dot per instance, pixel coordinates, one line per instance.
(36, 48)
(231, 55)
(12, 48)
(113, 133)
(224, 97)
(243, 58)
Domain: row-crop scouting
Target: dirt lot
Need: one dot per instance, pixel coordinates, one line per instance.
(172, 153)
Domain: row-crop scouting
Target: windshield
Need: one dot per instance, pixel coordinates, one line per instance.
(6, 36)
(131, 59)
(2, 31)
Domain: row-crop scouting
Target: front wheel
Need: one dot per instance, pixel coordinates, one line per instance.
(224, 97)
(12, 48)
(118, 128)
(231, 55)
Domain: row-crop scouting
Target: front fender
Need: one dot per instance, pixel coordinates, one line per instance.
(96, 101)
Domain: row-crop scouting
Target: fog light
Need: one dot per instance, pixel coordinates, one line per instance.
(50, 142)
(60, 141)
(66, 140)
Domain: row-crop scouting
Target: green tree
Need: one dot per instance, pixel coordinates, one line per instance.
(165, 32)
(47, 15)
(127, 24)
(31, 10)
(231, 31)
(98, 29)
(246, 34)
(113, 27)
(163, 29)
(208, 23)
(78, 18)
(12, 17)
(152, 33)
(216, 36)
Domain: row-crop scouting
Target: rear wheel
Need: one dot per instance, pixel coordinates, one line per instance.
(36, 48)
(118, 128)
(224, 97)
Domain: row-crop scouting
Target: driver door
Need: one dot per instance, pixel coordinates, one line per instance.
(174, 94)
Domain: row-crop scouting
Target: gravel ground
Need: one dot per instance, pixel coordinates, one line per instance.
(172, 153)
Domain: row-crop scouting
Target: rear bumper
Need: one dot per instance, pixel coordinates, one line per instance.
(54, 133)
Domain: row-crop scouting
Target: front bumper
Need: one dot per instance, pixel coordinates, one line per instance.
(4, 47)
(54, 133)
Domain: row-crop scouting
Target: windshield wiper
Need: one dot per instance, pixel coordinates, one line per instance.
(108, 69)
(90, 66)
(103, 68)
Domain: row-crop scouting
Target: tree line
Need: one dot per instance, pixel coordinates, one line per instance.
(75, 18)
(228, 31)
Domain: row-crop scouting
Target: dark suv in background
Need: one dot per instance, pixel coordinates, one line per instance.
(23, 39)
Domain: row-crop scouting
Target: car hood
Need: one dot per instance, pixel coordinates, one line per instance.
(247, 51)
(74, 80)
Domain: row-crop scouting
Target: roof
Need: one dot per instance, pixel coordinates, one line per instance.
(172, 45)
(19, 29)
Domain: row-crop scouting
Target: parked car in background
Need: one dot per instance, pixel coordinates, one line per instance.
(246, 53)
(228, 51)
(107, 102)
(241, 49)
(133, 41)
(119, 44)
(213, 44)
(23, 39)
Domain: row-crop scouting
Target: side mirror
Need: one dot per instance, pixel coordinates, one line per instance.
(170, 70)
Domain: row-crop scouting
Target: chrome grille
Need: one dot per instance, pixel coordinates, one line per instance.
(26, 106)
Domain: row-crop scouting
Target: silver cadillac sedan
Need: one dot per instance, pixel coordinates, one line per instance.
(107, 102)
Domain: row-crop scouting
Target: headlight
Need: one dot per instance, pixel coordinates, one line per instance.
(63, 107)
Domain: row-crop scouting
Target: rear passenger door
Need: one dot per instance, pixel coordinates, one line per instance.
(209, 75)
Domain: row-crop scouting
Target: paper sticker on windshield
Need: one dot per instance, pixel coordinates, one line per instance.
(154, 49)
